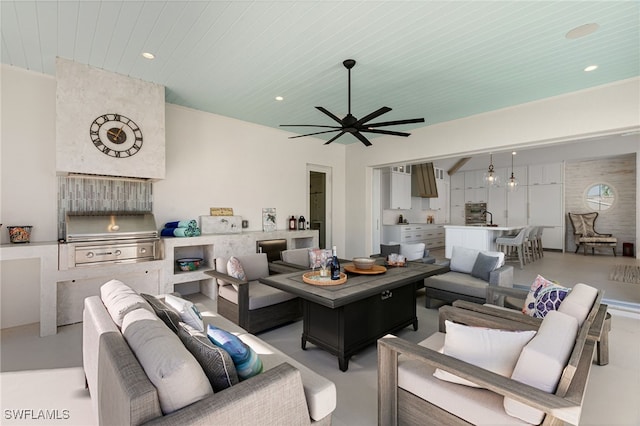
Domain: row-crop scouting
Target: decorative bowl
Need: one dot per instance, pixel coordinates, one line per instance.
(19, 234)
(363, 262)
(189, 263)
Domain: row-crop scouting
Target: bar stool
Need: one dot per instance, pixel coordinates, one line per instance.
(508, 243)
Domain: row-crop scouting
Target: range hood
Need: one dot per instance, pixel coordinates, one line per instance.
(423, 181)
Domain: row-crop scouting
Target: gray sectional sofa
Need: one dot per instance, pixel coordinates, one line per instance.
(470, 273)
(163, 384)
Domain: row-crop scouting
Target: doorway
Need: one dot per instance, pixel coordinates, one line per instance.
(319, 178)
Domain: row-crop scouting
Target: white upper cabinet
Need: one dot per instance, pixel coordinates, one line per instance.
(397, 187)
(545, 174)
(457, 181)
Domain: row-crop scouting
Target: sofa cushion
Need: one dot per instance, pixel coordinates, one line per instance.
(246, 360)
(542, 361)
(174, 372)
(475, 405)
(296, 256)
(491, 349)
(543, 296)
(189, 313)
(319, 392)
(260, 295)
(120, 299)
(458, 282)
(163, 311)
(387, 249)
(215, 361)
(483, 266)
(413, 251)
(579, 301)
(462, 259)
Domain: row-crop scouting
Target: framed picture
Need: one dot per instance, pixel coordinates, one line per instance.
(268, 219)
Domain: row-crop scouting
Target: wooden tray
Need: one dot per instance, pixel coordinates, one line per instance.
(376, 269)
(313, 278)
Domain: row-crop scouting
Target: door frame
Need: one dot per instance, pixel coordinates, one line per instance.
(328, 172)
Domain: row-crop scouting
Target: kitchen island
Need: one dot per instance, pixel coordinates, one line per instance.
(475, 237)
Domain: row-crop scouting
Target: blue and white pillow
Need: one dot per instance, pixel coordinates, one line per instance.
(246, 360)
(189, 313)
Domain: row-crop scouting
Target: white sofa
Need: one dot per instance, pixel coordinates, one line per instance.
(286, 392)
(468, 277)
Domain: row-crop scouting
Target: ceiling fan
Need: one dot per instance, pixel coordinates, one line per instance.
(350, 124)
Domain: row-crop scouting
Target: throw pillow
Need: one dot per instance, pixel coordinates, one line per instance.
(483, 266)
(163, 311)
(215, 361)
(493, 350)
(387, 249)
(174, 372)
(247, 362)
(235, 270)
(189, 313)
(120, 299)
(543, 296)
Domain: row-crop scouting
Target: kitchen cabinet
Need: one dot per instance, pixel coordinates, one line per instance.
(396, 190)
(545, 174)
(474, 179)
(497, 205)
(457, 181)
(517, 207)
(431, 235)
(546, 209)
(457, 206)
(475, 195)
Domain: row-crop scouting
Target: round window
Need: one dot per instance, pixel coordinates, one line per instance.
(600, 197)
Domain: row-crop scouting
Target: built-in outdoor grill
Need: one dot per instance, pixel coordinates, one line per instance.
(111, 237)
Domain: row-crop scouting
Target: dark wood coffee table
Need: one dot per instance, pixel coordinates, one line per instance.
(345, 318)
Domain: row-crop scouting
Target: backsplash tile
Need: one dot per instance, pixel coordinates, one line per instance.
(90, 195)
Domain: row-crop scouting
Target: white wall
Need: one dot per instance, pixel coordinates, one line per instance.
(603, 110)
(215, 161)
(212, 161)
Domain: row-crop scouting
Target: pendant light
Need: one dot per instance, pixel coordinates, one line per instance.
(491, 178)
(512, 184)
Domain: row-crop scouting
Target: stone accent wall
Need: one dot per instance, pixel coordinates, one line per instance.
(620, 174)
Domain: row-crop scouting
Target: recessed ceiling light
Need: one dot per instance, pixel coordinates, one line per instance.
(279, 98)
(148, 55)
(582, 31)
(591, 68)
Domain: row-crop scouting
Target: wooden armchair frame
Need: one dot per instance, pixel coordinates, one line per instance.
(397, 406)
(590, 237)
(256, 320)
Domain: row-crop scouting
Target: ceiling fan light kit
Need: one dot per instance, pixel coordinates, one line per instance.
(352, 125)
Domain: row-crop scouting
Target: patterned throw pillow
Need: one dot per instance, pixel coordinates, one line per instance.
(235, 270)
(247, 362)
(215, 361)
(544, 296)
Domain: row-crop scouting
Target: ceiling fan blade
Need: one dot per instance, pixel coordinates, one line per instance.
(393, 123)
(311, 134)
(360, 136)
(324, 110)
(385, 132)
(373, 115)
(335, 137)
(309, 125)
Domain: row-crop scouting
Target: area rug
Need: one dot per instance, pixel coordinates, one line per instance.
(625, 274)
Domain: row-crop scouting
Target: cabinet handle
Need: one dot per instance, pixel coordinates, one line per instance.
(386, 294)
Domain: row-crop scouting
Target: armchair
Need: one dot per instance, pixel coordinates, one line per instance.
(247, 302)
(505, 303)
(408, 393)
(585, 234)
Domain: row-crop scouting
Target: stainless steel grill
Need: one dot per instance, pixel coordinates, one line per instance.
(108, 237)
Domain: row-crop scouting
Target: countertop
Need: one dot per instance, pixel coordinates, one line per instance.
(489, 228)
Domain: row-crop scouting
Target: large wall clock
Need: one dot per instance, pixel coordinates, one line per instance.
(116, 135)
